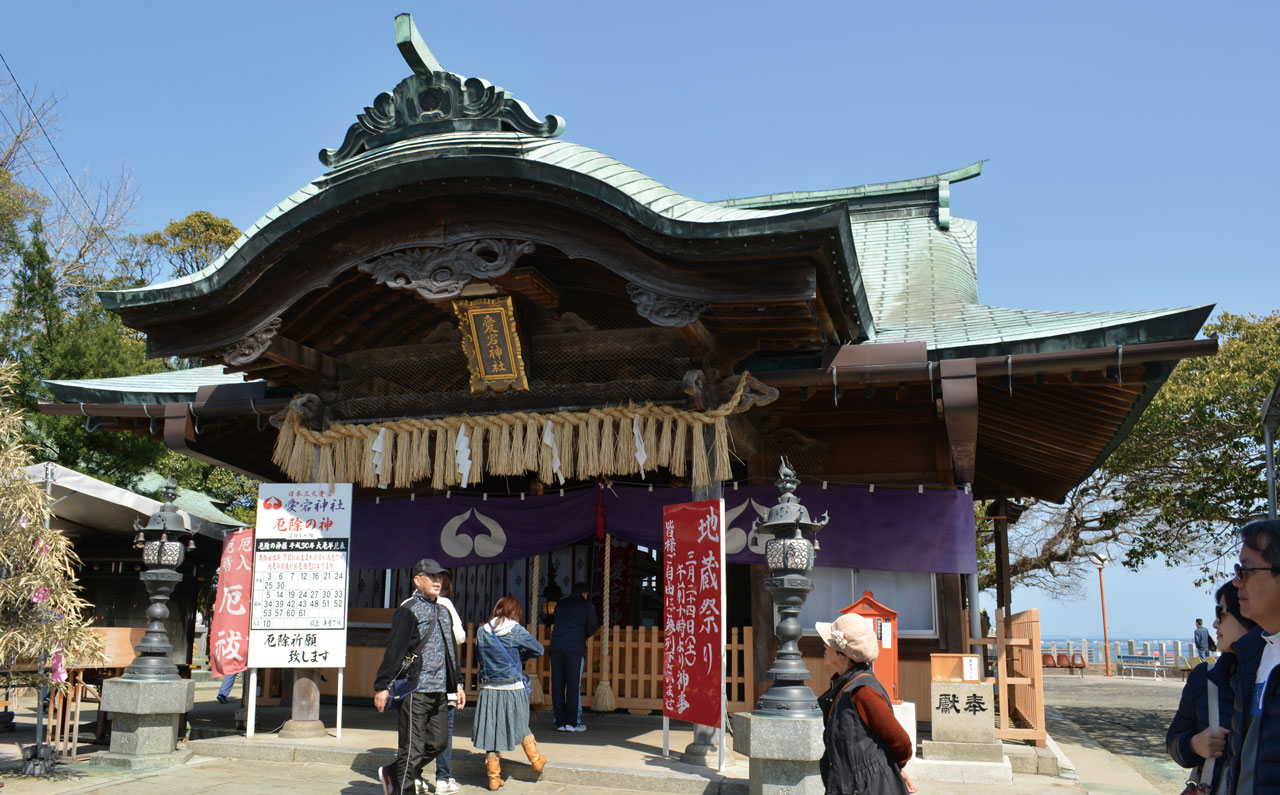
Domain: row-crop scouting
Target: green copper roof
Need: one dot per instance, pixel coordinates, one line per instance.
(193, 502)
(922, 285)
(175, 386)
(806, 198)
(404, 159)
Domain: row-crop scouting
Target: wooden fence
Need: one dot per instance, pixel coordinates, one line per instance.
(1019, 678)
(635, 667)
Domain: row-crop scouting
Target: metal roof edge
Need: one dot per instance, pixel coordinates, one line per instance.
(131, 389)
(507, 166)
(1174, 324)
(318, 196)
(792, 198)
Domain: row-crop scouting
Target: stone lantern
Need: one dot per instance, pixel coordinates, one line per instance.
(783, 736)
(162, 555)
(147, 702)
(790, 557)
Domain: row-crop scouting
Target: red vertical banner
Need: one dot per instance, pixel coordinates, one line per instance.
(229, 625)
(693, 612)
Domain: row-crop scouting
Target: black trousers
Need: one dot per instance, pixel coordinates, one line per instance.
(566, 688)
(424, 732)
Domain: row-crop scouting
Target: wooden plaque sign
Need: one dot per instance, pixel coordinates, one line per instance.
(489, 340)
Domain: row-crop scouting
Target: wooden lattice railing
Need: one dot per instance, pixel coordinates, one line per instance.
(1019, 681)
(635, 667)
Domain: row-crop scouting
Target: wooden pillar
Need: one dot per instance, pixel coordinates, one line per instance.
(765, 642)
(1001, 508)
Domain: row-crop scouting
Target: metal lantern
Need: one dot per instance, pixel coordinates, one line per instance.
(161, 556)
(790, 557)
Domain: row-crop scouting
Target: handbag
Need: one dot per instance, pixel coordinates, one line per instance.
(399, 687)
(524, 677)
(1205, 783)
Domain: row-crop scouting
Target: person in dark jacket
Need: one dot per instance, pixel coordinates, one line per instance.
(502, 714)
(1190, 739)
(432, 675)
(866, 747)
(1255, 723)
(575, 621)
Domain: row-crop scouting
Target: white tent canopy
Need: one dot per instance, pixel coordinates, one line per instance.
(85, 506)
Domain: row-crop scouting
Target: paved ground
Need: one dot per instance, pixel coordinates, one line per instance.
(1126, 717)
(203, 774)
(1111, 731)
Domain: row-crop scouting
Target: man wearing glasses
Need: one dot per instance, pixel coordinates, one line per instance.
(424, 713)
(1255, 722)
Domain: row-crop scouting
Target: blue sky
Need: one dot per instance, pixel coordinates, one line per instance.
(1130, 146)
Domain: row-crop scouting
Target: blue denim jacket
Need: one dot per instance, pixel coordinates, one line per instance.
(495, 666)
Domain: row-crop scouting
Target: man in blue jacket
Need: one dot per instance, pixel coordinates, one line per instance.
(575, 621)
(1255, 723)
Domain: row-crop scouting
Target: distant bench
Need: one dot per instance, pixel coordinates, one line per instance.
(1141, 662)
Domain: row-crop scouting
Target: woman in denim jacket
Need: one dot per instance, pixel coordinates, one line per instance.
(502, 715)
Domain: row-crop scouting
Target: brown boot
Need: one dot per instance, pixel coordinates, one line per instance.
(493, 768)
(536, 760)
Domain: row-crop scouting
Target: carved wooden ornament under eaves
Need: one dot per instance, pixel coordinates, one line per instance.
(251, 347)
(491, 344)
(665, 310)
(440, 273)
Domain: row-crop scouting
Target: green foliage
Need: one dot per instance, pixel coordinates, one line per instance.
(236, 494)
(192, 243)
(41, 611)
(1190, 473)
(1194, 468)
(54, 337)
(18, 205)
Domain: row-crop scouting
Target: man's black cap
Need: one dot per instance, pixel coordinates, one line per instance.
(428, 566)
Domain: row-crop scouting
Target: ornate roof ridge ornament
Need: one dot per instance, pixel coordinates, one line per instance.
(431, 101)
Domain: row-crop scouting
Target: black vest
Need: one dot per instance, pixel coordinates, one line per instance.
(855, 761)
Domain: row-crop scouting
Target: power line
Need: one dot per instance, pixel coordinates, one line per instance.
(36, 163)
(88, 206)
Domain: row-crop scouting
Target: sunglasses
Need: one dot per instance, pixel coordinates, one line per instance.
(1218, 613)
(1241, 571)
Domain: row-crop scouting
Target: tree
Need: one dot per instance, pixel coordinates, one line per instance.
(1191, 472)
(42, 616)
(53, 337)
(189, 244)
(236, 494)
(82, 219)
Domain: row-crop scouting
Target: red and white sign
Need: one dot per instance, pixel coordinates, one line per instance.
(229, 625)
(301, 557)
(693, 612)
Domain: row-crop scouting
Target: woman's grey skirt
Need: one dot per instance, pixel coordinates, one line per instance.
(502, 720)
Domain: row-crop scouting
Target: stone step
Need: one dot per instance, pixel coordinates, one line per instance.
(961, 772)
(669, 778)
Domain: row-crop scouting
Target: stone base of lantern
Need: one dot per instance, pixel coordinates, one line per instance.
(144, 721)
(783, 753)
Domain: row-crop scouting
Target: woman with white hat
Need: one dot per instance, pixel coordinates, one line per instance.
(866, 747)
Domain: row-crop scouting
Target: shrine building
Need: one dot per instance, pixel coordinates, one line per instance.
(519, 349)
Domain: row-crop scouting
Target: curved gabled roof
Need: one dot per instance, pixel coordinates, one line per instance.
(579, 166)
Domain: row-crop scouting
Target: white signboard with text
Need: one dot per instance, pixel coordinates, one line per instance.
(301, 557)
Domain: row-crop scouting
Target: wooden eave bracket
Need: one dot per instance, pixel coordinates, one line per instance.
(960, 413)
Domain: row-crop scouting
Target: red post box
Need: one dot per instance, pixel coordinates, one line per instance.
(886, 623)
